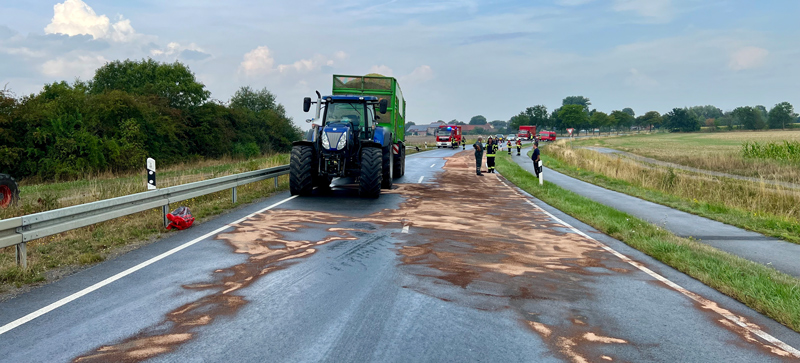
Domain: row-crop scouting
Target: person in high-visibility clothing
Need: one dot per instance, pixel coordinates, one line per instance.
(454, 143)
(463, 143)
(519, 146)
(508, 144)
(491, 152)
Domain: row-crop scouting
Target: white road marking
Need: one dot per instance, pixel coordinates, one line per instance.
(405, 228)
(6, 328)
(432, 165)
(752, 328)
(420, 179)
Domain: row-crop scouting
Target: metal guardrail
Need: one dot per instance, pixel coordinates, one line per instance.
(20, 230)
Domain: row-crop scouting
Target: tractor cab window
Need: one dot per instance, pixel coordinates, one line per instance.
(347, 113)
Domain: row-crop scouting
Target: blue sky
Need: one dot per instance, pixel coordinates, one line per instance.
(454, 58)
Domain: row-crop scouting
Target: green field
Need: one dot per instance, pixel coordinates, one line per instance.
(710, 151)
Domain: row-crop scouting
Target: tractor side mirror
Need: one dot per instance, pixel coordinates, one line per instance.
(306, 104)
(383, 105)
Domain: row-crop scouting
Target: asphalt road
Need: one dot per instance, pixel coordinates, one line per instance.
(446, 267)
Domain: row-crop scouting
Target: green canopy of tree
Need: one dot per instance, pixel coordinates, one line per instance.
(577, 100)
(477, 120)
(751, 118)
(629, 111)
(573, 116)
(173, 82)
(781, 115)
(69, 130)
(680, 119)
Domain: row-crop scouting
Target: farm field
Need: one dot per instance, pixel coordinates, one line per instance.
(711, 151)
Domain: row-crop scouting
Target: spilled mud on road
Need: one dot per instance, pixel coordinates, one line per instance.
(263, 238)
(473, 242)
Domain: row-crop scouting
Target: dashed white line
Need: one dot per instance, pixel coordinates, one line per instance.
(432, 165)
(420, 179)
(701, 300)
(6, 328)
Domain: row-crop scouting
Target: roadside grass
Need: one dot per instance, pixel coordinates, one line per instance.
(764, 289)
(51, 257)
(710, 151)
(759, 207)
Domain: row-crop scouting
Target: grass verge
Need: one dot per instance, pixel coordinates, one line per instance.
(54, 256)
(764, 289)
(738, 203)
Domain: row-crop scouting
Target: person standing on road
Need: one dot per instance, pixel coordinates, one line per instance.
(463, 143)
(536, 158)
(478, 146)
(491, 152)
(519, 146)
(508, 143)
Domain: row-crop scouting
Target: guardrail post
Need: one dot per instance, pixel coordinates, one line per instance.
(165, 211)
(22, 255)
(233, 192)
(276, 182)
(541, 173)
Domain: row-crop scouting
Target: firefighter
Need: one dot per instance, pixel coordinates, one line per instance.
(454, 143)
(508, 144)
(491, 152)
(463, 143)
(478, 146)
(519, 146)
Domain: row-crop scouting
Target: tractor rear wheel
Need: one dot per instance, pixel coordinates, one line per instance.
(369, 183)
(400, 162)
(301, 166)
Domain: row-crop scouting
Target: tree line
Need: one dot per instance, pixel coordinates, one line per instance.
(575, 113)
(129, 111)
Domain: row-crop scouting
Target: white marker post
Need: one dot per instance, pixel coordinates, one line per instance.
(151, 174)
(541, 173)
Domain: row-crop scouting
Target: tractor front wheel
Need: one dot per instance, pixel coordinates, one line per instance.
(301, 167)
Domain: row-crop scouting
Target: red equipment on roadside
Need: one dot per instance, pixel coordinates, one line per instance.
(180, 218)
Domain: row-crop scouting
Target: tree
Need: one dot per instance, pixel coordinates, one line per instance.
(629, 111)
(453, 122)
(256, 101)
(751, 118)
(171, 81)
(410, 123)
(477, 120)
(577, 100)
(537, 115)
(781, 114)
(516, 121)
(706, 112)
(598, 120)
(623, 119)
(679, 119)
(573, 116)
(651, 118)
(499, 124)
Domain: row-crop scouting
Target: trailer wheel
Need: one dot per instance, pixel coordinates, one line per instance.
(400, 162)
(9, 191)
(387, 166)
(369, 183)
(301, 164)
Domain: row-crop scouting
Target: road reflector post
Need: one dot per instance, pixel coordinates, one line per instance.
(541, 173)
(276, 182)
(233, 192)
(151, 174)
(22, 255)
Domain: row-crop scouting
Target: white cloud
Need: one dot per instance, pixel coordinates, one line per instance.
(82, 66)
(747, 58)
(75, 17)
(175, 49)
(654, 10)
(341, 55)
(382, 69)
(640, 80)
(421, 74)
(258, 61)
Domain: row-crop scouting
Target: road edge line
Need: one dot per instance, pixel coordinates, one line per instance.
(85, 291)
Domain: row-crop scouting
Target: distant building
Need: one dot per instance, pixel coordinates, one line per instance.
(488, 129)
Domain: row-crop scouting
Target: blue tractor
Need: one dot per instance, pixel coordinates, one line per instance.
(349, 143)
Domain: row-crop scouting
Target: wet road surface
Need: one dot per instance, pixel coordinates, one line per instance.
(446, 267)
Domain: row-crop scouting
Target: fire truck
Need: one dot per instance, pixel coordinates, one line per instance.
(526, 132)
(448, 136)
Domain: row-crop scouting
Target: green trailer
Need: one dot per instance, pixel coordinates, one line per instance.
(384, 88)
